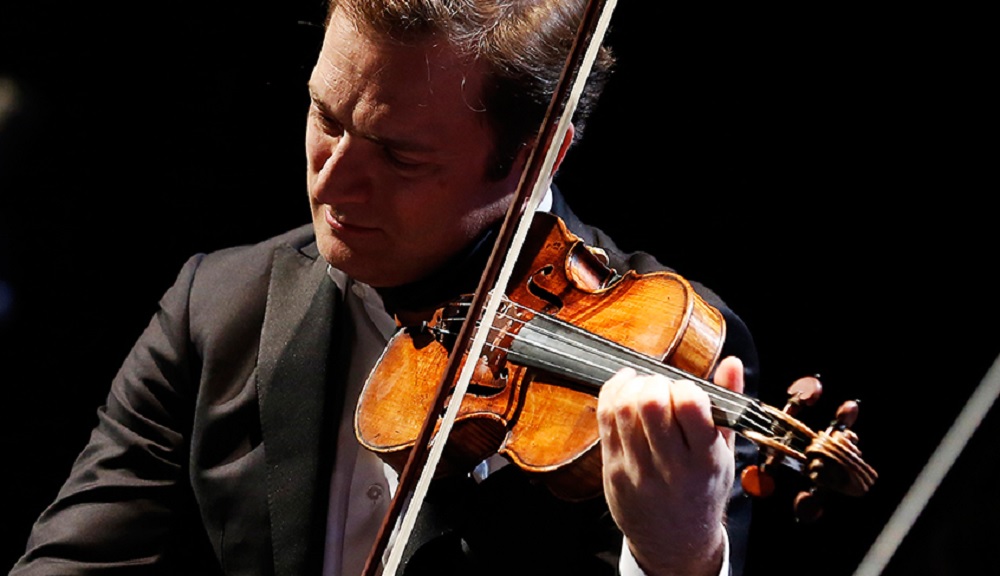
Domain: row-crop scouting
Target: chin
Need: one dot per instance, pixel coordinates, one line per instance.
(331, 249)
(342, 258)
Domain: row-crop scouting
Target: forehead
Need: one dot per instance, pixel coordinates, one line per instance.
(415, 86)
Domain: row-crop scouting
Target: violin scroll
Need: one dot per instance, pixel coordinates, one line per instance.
(757, 480)
(830, 458)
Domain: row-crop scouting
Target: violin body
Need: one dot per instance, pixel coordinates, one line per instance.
(541, 419)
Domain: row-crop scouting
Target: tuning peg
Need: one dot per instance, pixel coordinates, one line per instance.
(808, 505)
(845, 417)
(756, 481)
(804, 391)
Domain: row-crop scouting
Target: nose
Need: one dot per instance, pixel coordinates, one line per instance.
(341, 170)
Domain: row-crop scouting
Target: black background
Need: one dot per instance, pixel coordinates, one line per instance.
(823, 168)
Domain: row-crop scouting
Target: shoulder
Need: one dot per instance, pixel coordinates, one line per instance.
(739, 341)
(249, 263)
(244, 261)
(234, 281)
(639, 261)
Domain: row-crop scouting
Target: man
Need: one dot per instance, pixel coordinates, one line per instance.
(226, 444)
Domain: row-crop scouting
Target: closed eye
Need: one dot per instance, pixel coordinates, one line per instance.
(401, 160)
(326, 122)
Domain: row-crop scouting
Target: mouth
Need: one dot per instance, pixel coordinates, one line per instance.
(339, 226)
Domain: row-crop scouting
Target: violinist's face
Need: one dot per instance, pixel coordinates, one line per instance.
(397, 148)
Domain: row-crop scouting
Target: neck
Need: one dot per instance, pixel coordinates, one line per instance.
(417, 300)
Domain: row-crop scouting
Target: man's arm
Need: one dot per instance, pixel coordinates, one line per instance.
(127, 493)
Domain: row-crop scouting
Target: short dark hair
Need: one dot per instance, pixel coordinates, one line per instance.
(524, 44)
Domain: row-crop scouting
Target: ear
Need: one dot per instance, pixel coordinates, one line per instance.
(522, 156)
(564, 147)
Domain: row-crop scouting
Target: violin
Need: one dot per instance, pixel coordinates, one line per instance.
(566, 325)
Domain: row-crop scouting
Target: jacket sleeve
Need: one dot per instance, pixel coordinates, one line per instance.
(127, 494)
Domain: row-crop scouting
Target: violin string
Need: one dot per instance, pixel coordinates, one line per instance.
(742, 415)
(749, 414)
(722, 402)
(714, 391)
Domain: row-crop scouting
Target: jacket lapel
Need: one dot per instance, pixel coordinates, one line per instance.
(296, 391)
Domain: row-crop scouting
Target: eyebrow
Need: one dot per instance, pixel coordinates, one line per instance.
(381, 140)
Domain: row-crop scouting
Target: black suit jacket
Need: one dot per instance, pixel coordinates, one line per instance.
(213, 453)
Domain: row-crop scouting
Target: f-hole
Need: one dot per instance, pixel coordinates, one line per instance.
(536, 289)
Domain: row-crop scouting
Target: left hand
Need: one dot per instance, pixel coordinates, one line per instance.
(668, 470)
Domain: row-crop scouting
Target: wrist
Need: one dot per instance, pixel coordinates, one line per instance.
(705, 554)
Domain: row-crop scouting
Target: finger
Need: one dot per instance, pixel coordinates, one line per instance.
(692, 410)
(729, 375)
(665, 442)
(621, 408)
(606, 414)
